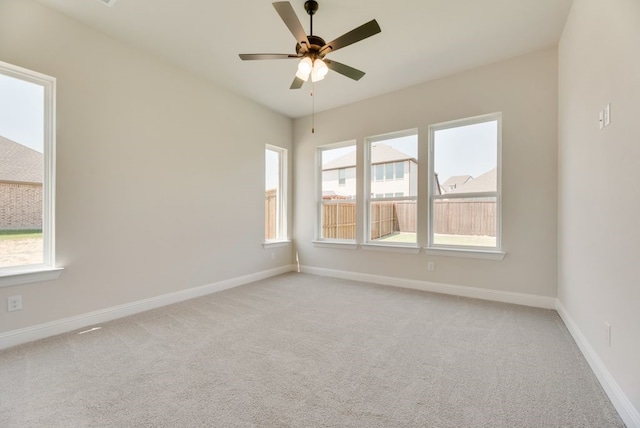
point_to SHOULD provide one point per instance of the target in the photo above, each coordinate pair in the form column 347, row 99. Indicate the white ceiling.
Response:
column 420, row 40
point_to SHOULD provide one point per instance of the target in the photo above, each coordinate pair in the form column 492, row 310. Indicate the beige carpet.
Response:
column 306, row 351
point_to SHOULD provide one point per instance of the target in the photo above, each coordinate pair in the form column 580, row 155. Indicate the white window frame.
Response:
column 369, row 197
column 432, row 196
column 10, row 276
column 282, row 233
column 319, row 240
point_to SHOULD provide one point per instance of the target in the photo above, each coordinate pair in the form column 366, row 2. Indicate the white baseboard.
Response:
column 456, row 290
column 41, row 331
column 629, row 414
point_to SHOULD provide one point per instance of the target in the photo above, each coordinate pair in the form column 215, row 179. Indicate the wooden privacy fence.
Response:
column 270, row 201
column 460, row 217
column 450, row 217
column 338, row 220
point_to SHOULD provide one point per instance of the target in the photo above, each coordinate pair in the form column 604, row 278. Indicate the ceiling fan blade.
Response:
column 288, row 15
column 343, row 69
column 297, row 83
column 362, row 32
column 266, row 56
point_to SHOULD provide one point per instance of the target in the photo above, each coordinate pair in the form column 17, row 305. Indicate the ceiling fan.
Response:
column 311, row 49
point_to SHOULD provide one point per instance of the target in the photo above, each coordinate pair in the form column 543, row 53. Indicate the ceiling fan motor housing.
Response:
column 316, row 43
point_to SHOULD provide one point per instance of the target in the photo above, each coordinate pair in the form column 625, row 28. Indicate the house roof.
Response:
column 454, row 182
column 380, row 153
column 20, row 164
column 486, row 182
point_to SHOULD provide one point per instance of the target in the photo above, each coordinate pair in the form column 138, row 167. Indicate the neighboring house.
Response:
column 393, row 174
column 21, row 178
column 452, row 183
column 486, row 182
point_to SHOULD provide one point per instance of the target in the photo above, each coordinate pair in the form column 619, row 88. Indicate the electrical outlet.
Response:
column 431, row 266
column 14, row 303
column 273, row 255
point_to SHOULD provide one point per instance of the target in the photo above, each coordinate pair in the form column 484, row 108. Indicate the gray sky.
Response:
column 22, row 112
column 464, row 150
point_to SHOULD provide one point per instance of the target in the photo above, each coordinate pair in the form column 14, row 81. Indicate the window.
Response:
column 342, row 177
column 392, row 210
column 388, row 171
column 337, row 193
column 275, row 204
column 399, row 170
column 464, row 190
column 379, row 172
column 27, row 162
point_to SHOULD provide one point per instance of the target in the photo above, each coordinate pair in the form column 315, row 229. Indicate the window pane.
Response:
column 272, row 194
column 379, row 172
column 338, row 205
column 21, row 172
column 399, row 170
column 465, row 163
column 396, row 164
column 393, row 221
column 388, row 171
column 465, row 222
column 466, row 158
column 397, row 158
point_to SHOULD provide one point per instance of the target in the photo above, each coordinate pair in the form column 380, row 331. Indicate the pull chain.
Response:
column 313, row 108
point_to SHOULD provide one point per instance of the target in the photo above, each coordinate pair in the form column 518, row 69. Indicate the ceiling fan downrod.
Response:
column 311, row 6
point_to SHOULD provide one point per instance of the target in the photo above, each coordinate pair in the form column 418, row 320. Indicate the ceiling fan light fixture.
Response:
column 305, row 66
column 302, row 76
column 320, row 70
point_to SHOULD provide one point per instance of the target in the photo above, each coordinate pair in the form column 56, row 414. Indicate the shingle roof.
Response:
column 452, row 183
column 20, row 164
column 486, row 182
column 380, row 153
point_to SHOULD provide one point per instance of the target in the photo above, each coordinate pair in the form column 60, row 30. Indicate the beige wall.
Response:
column 157, row 187
column 599, row 207
column 524, row 89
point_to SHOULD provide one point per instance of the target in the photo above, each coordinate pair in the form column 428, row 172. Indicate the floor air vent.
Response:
column 108, row 2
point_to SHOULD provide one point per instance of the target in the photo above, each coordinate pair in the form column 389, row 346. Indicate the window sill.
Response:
column 410, row 249
column 465, row 253
column 345, row 245
column 28, row 275
column 276, row 244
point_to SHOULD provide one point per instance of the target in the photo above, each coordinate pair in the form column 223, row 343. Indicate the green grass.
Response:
column 404, row 237
column 457, row 240
column 20, row 234
column 465, row 240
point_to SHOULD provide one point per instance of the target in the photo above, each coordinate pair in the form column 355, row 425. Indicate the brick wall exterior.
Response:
column 20, row 206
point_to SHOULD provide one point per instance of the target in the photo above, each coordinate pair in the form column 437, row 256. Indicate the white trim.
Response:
column 344, row 245
column 629, row 414
column 282, row 192
column 533, row 300
column 393, row 248
column 367, row 184
column 41, row 331
column 466, row 253
column 48, row 84
column 318, row 181
column 16, row 277
column 275, row 244
column 431, row 181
